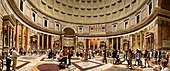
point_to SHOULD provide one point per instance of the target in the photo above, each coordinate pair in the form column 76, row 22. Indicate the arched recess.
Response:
column 70, row 28
column 69, row 31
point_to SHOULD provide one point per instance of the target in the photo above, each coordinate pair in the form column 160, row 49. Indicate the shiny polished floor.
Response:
column 41, row 63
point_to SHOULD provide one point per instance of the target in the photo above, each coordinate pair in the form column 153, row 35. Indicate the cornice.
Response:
column 10, row 18
column 50, row 16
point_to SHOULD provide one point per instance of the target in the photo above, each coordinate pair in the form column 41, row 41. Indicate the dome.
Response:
column 87, row 11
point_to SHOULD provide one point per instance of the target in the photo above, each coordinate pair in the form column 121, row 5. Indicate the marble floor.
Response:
column 41, row 63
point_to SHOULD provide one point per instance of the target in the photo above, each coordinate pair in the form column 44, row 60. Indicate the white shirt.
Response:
column 165, row 69
column 15, row 53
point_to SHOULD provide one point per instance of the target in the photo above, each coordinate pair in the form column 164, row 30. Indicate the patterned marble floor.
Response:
column 40, row 63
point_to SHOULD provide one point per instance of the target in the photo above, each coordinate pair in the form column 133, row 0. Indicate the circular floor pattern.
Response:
column 48, row 67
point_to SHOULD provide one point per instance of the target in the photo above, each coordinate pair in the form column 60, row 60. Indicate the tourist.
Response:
column 129, row 58
column 164, row 65
column 69, row 57
column 8, row 60
column 136, row 60
column 104, row 59
column 86, row 54
column 156, row 55
column 15, row 55
column 77, row 53
column 138, row 57
column 150, row 54
column 93, row 53
column 146, row 58
column 159, row 56
column 114, row 56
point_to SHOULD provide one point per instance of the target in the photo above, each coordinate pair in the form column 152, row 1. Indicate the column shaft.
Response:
column 22, row 36
column 89, row 43
column 17, row 36
column 141, row 40
column 27, row 39
column 12, row 37
column 108, row 43
column 42, row 41
column 52, row 42
column 136, row 42
column 76, row 42
column 47, row 41
column 38, row 41
column 144, row 41
column 112, row 43
column 117, row 43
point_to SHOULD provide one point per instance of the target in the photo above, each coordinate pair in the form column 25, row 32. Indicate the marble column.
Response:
column 42, row 41
column 27, row 39
column 52, row 42
column 121, row 43
column 108, row 43
column 117, row 43
column 8, row 35
column 17, row 36
column 94, row 40
column 141, row 40
column 89, row 44
column 98, row 43
column 12, row 37
column 76, row 42
column 38, row 41
column 136, row 41
column 144, row 41
column 47, row 41
column 85, row 44
column 112, row 43
column 22, row 36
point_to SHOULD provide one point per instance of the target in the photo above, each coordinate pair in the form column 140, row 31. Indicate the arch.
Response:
column 69, row 31
column 69, row 27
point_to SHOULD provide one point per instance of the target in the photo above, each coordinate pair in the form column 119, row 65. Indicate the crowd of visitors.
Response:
column 142, row 59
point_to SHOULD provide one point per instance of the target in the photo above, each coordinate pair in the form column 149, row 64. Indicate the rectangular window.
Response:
column 33, row 16
column 126, row 24
column 21, row 5
column 137, row 19
column 114, row 27
column 45, row 23
column 57, row 26
column 150, row 8
column 80, row 29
